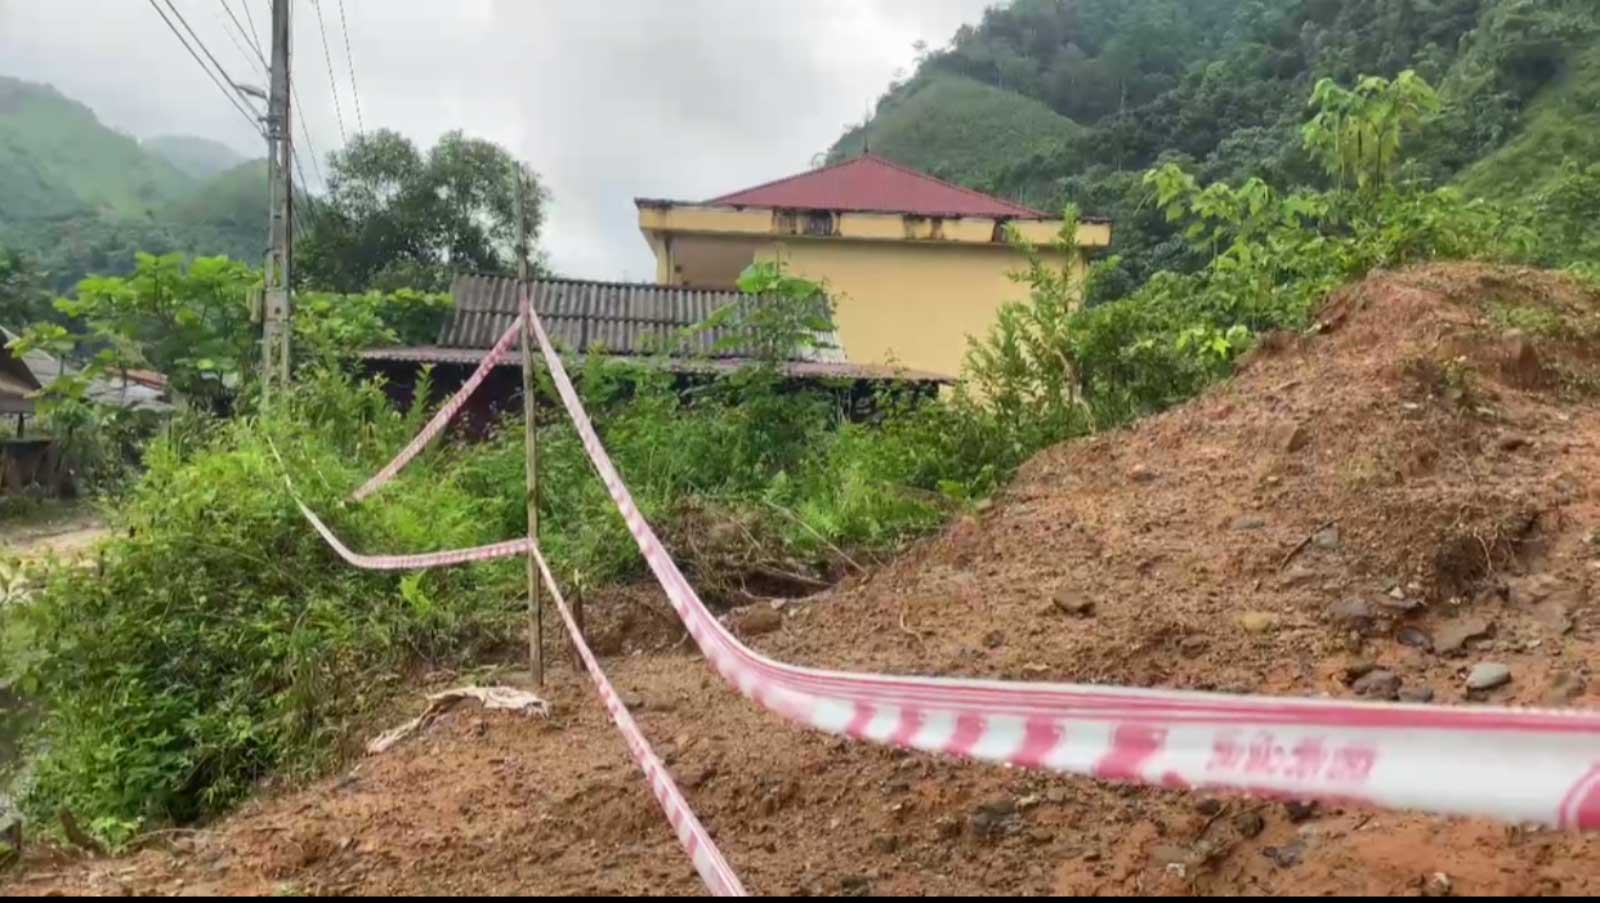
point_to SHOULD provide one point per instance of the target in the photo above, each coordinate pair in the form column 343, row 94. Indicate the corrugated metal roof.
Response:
column 45, row 369
column 616, row 317
column 870, row 183
column 434, row 354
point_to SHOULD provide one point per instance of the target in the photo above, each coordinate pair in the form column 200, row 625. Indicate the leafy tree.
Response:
column 23, row 299
column 398, row 218
column 192, row 321
column 1357, row 133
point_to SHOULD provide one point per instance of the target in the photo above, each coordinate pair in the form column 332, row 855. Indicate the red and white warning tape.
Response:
column 414, row 562
column 442, row 418
column 714, row 870
column 1519, row 765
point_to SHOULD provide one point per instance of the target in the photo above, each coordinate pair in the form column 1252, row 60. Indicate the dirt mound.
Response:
column 1408, row 492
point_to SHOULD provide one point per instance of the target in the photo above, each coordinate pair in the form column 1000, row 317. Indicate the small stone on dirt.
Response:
column 994, row 818
column 1437, row 885
column 1357, row 671
column 1193, row 646
column 1249, row 523
column 1166, row 854
column 1249, row 824
column 1300, row 811
column 1258, row 621
column 1416, row 694
column 1566, row 686
column 855, row 886
column 1208, row 807
column 1512, row 442
column 1488, row 675
column 1401, row 604
column 1298, row 438
column 1327, row 538
column 1285, row 856
column 1414, row 637
column 1452, row 636
column 1352, row 612
column 1378, row 685
column 1141, row 474
column 1299, row 575
column 759, row 619
column 1554, row 616
column 1069, row 602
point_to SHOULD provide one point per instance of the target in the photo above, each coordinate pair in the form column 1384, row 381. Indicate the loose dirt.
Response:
column 1413, row 489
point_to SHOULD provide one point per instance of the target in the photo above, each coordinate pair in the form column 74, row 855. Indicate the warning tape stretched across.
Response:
column 440, row 419
column 714, row 870
column 1519, row 765
column 414, row 562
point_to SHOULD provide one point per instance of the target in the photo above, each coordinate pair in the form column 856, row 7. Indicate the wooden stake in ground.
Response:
column 530, row 411
column 530, row 419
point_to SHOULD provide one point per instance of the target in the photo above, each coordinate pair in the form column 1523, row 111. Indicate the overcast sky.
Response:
column 608, row 99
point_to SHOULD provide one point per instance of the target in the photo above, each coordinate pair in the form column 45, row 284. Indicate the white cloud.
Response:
column 608, row 99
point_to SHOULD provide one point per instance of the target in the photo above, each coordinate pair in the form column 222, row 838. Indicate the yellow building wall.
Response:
column 911, row 304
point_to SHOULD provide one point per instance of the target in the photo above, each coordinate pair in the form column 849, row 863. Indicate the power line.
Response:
column 255, row 38
column 230, row 93
column 202, row 45
column 349, row 57
column 306, row 134
column 255, row 44
column 249, row 60
column 333, row 84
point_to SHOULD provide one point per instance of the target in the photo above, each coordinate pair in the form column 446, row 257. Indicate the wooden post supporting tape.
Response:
column 530, row 410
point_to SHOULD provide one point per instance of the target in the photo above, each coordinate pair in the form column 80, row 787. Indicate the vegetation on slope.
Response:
column 1219, row 86
column 959, row 129
column 198, row 158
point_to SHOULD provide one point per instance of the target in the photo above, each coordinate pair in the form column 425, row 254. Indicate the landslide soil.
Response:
column 1413, row 486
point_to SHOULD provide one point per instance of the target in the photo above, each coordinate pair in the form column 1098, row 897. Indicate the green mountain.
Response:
column 1221, row 86
column 959, row 129
column 77, row 197
column 57, row 160
column 198, row 158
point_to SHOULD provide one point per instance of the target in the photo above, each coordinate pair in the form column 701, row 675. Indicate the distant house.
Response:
column 35, row 462
column 656, row 325
column 21, row 376
column 916, row 265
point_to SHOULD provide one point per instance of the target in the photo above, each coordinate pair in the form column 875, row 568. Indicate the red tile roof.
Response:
column 871, row 184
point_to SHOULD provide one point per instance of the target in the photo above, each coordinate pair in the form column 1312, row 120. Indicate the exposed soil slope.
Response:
column 1416, row 489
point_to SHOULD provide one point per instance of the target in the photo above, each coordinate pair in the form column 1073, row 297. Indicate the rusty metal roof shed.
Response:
column 612, row 317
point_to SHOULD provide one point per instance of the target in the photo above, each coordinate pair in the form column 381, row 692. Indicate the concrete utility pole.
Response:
column 277, row 310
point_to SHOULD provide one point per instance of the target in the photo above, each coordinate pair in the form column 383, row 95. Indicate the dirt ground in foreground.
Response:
column 1414, row 490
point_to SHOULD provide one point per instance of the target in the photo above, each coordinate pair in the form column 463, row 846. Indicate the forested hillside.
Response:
column 1220, row 87
column 79, row 197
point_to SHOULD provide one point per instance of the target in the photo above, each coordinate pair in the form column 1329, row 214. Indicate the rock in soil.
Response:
column 1327, row 539
column 1566, row 686
column 1416, row 694
column 1452, row 636
column 1300, row 811
column 1488, row 675
column 1068, row 602
column 1353, row 612
column 1249, row 824
column 1378, row 685
column 1415, row 638
column 758, row 620
column 1258, row 621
